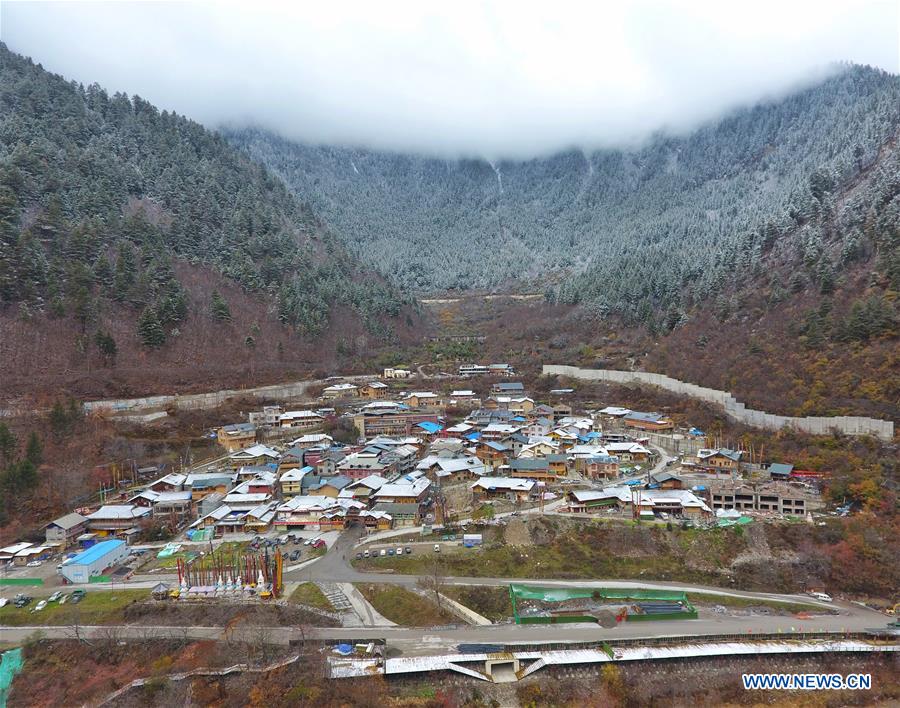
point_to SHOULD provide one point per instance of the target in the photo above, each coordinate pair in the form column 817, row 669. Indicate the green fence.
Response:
column 554, row 594
column 690, row 614
column 11, row 663
column 21, row 581
column 99, row 579
column 556, row 619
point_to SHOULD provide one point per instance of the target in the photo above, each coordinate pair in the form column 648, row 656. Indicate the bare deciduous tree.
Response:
column 434, row 580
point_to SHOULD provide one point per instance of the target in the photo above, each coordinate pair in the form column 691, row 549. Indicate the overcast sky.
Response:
column 497, row 79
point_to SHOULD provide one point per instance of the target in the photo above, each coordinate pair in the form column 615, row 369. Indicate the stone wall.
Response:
column 734, row 409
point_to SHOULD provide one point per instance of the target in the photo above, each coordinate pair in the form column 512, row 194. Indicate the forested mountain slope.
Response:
column 663, row 225
column 759, row 254
column 108, row 207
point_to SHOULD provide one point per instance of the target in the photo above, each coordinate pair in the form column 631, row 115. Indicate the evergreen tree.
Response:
column 218, row 307
column 106, row 346
column 59, row 421
column 34, row 449
column 23, row 476
column 150, row 329
column 9, row 222
column 126, row 268
column 8, row 443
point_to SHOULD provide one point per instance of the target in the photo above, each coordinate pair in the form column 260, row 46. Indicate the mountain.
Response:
column 759, row 254
column 125, row 231
column 616, row 229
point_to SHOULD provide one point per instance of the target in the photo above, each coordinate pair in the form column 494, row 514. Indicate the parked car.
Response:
column 55, row 597
column 383, row 552
column 40, row 606
column 390, row 551
column 33, row 564
column 22, row 600
column 399, row 550
column 308, row 541
column 295, row 554
column 3, row 602
column 63, row 598
column 366, row 554
column 78, row 596
column 359, row 555
column 437, row 547
column 821, row 596
column 408, row 550
column 318, row 543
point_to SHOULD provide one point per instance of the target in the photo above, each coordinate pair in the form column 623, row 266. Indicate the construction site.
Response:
column 533, row 604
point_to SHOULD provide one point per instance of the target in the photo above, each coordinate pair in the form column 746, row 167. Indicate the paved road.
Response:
column 335, row 566
column 419, row 641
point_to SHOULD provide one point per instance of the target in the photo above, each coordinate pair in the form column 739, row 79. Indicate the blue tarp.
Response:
column 344, row 649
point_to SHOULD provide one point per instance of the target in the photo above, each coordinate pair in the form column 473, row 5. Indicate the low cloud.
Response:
column 492, row 79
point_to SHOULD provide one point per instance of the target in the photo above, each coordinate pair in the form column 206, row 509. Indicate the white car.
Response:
column 3, row 602
column 40, row 606
column 33, row 564
column 63, row 598
column 821, row 596
column 399, row 550
column 383, row 552
column 437, row 547
column 55, row 597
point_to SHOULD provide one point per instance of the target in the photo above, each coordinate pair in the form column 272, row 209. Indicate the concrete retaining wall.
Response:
column 198, row 401
column 817, row 425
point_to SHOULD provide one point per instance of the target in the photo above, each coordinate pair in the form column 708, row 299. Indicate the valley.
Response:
column 292, row 416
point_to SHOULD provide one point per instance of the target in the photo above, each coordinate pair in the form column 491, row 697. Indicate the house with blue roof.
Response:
column 429, row 428
column 492, row 454
column 720, row 459
column 92, row 562
column 648, row 421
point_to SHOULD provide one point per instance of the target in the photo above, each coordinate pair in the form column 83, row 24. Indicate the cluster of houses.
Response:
column 315, row 483
column 507, row 446
column 502, row 445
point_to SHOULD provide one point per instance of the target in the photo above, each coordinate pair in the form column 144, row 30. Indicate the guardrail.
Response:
column 690, row 639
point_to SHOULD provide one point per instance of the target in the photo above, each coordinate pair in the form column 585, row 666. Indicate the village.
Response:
column 490, row 513
column 422, row 461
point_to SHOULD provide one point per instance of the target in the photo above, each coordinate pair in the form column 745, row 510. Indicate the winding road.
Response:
column 334, row 568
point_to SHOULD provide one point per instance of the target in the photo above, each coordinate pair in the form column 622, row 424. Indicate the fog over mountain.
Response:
column 498, row 80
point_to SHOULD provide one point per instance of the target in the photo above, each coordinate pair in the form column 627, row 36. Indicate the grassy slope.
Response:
column 593, row 551
column 404, row 606
column 310, row 594
column 97, row 607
